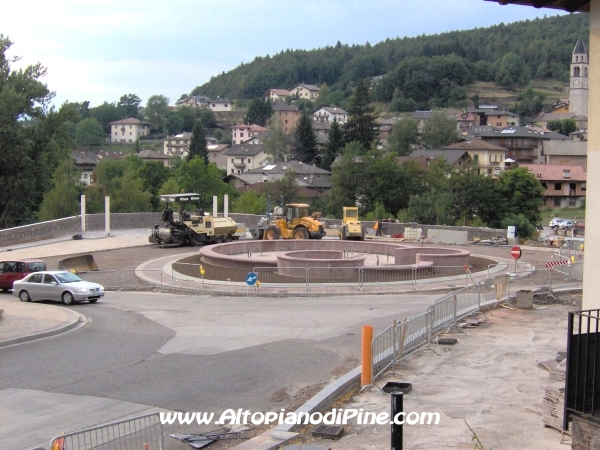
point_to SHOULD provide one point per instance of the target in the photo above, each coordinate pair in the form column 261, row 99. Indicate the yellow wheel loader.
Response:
column 291, row 222
column 351, row 227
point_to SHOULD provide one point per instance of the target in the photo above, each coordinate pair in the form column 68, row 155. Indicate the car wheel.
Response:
column 93, row 301
column 68, row 298
column 24, row 296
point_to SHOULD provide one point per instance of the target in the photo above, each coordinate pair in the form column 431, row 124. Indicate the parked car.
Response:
column 57, row 285
column 566, row 224
column 14, row 270
column 555, row 222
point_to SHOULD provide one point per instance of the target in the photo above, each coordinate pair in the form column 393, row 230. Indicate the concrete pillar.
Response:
column 107, row 214
column 591, row 277
column 83, row 213
column 226, row 205
column 215, row 206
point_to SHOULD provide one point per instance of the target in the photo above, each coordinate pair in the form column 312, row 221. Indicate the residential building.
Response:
column 525, row 145
column 241, row 133
column 85, row 161
column 455, row 158
column 286, row 115
column 128, row 130
column 243, row 157
column 216, row 154
column 276, row 94
column 385, row 129
column 421, row 117
column 151, row 155
column 543, row 119
column 177, row 145
column 329, row 114
column 565, row 186
column 194, row 101
column 311, row 180
column 566, row 153
column 309, row 91
column 489, row 158
column 220, row 104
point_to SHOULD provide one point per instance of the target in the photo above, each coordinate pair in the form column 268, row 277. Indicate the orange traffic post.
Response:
column 367, row 356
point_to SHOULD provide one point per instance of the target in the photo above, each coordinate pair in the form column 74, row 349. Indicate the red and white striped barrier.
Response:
column 558, row 263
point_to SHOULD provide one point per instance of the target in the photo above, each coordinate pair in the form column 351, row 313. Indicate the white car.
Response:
column 555, row 222
column 57, row 285
column 566, row 224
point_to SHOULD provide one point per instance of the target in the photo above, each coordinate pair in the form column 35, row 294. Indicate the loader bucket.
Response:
column 77, row 264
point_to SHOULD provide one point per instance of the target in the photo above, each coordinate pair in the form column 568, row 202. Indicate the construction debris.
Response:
column 492, row 240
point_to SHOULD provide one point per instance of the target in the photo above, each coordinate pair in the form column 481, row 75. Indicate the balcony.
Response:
column 239, row 165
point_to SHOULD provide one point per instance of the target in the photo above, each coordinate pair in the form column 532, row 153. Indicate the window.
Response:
column 583, row 187
column 557, row 186
column 476, row 159
column 225, row 105
column 248, row 160
column 85, row 176
column 545, row 185
column 48, row 279
column 36, row 278
column 557, row 202
column 130, row 127
column 130, row 140
column 231, row 170
column 242, row 134
column 286, row 121
column 572, row 202
column 232, row 160
column 130, row 133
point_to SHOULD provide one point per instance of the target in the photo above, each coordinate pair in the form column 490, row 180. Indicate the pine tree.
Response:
column 362, row 120
column 198, row 144
column 333, row 147
column 306, row 147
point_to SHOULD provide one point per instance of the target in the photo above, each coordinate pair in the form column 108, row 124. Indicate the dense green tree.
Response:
column 89, row 132
column 198, row 144
column 33, row 138
column 153, row 175
column 250, row 203
column 323, row 96
column 130, row 104
column 306, row 147
column 157, row 111
column 432, row 207
column 208, row 119
column 174, row 124
column 259, row 111
column 404, row 137
column 529, row 103
column 196, row 176
column 305, row 105
column 106, row 113
column 512, row 71
column 333, row 146
column 566, row 126
column 362, row 120
column 522, row 193
column 63, row 199
column 189, row 116
column 129, row 196
column 439, row 131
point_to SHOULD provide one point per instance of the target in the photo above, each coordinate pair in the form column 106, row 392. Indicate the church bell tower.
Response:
column 578, row 88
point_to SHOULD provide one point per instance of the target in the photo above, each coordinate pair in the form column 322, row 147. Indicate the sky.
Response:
column 98, row 50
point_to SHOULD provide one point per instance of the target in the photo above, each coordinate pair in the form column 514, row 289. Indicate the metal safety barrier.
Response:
column 142, row 432
column 109, row 279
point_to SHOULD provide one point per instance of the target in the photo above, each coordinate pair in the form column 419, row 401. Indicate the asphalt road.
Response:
column 144, row 351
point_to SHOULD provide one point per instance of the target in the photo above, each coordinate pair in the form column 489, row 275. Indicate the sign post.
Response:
column 515, row 252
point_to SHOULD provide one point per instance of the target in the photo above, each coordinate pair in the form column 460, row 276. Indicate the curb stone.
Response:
column 43, row 334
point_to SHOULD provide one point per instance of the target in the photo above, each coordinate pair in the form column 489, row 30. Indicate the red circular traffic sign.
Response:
column 515, row 252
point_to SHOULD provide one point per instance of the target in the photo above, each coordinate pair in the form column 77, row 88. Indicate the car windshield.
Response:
column 67, row 277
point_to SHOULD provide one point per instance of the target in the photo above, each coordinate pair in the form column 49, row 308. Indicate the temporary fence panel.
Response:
column 443, row 313
column 141, row 278
column 454, row 276
column 416, row 334
column 383, row 350
column 290, row 277
column 109, row 279
column 142, row 432
column 568, row 276
column 382, row 276
column 467, row 301
column 186, row 272
column 332, row 277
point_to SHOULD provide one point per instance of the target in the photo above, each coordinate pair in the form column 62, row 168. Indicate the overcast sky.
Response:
column 98, row 50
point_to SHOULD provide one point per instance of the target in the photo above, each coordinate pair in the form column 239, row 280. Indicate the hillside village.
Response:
column 491, row 139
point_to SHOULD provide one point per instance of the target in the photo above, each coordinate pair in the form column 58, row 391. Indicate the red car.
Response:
column 11, row 271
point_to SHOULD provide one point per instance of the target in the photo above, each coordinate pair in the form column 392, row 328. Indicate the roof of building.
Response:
column 451, row 156
column 390, row 121
column 217, row 148
column 128, row 121
column 244, row 149
column 281, row 167
column 254, row 128
column 310, row 87
column 332, row 110
column 519, row 132
column 280, row 92
column 475, row 144
column 553, row 172
column 303, row 180
column 220, row 100
column 282, row 106
column 547, row 117
column 566, row 148
column 422, row 115
column 321, row 125
column 151, row 154
column 579, row 47
column 185, row 135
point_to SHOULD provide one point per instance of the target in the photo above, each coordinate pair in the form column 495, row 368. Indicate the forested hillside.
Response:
column 423, row 71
